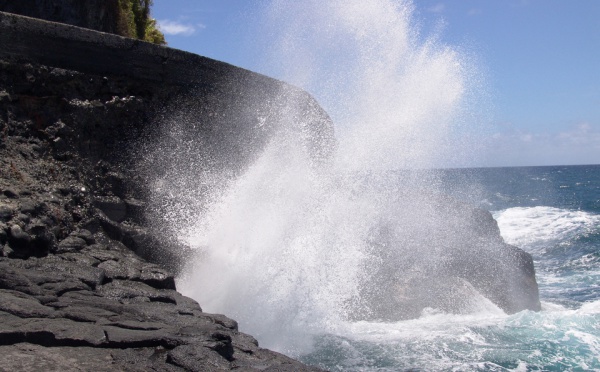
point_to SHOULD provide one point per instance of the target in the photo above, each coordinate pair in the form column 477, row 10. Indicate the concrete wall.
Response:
column 97, row 15
column 234, row 109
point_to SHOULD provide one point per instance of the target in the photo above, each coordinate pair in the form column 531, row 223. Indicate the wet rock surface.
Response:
column 86, row 282
column 100, row 307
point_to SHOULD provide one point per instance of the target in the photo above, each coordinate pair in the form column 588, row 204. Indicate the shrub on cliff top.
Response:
column 133, row 20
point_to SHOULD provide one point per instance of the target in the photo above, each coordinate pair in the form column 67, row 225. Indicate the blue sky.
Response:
column 540, row 60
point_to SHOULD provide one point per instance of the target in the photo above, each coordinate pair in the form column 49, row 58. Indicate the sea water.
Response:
column 282, row 269
column 284, row 247
column 552, row 213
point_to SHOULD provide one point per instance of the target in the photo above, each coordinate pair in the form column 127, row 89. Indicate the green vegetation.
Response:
column 133, row 20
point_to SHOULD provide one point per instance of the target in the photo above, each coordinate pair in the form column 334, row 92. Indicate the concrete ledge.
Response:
column 71, row 47
column 251, row 106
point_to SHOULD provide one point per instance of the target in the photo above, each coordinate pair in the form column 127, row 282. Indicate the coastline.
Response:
column 86, row 281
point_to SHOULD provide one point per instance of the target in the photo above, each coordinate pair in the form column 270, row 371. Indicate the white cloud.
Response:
column 583, row 134
column 437, row 8
column 579, row 144
column 169, row 27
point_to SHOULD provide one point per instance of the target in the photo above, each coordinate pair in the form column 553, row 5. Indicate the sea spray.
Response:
column 397, row 97
column 285, row 244
column 290, row 246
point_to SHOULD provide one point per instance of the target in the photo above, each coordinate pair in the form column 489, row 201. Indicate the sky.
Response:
column 539, row 59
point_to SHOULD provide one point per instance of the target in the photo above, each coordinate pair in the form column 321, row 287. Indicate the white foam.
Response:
column 590, row 308
column 529, row 226
column 521, row 367
column 482, row 341
column 430, row 326
column 550, row 307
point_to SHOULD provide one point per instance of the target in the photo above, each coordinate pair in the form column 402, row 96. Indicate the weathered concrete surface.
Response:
column 67, row 46
column 100, row 15
column 252, row 104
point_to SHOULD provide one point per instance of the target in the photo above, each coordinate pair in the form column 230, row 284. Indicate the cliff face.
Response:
column 93, row 102
column 97, row 15
column 76, row 287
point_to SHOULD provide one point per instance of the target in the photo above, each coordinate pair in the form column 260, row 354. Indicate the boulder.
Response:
column 113, row 207
column 458, row 261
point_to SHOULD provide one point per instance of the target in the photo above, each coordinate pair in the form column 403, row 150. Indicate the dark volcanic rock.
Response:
column 6, row 212
column 71, row 244
column 19, row 240
column 22, row 305
column 28, row 357
column 77, row 291
column 113, row 207
column 46, row 309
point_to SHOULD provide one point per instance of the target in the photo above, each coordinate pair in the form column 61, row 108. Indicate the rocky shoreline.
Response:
column 90, row 121
column 86, row 283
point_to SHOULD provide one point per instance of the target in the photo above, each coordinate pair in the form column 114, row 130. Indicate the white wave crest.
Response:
column 529, row 226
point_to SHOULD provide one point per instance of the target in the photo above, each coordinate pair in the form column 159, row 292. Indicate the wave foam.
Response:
column 553, row 339
column 530, row 226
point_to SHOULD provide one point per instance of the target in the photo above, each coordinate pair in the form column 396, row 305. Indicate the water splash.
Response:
column 397, row 98
column 287, row 247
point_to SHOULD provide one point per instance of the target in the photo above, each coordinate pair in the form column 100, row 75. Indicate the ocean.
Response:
column 551, row 212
